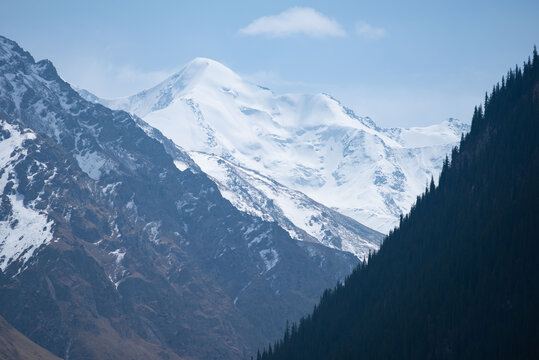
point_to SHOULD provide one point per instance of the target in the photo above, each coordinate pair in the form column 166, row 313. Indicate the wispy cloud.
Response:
column 295, row 21
column 276, row 82
column 109, row 80
column 367, row 31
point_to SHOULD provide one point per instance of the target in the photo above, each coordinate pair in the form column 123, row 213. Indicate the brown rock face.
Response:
column 16, row 346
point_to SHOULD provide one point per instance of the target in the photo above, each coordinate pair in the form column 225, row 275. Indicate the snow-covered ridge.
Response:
column 200, row 72
column 308, row 143
column 23, row 229
column 303, row 218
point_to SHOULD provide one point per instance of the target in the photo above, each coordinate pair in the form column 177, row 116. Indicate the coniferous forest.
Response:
column 459, row 278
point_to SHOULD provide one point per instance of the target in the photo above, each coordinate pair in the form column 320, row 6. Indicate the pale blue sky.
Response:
column 403, row 63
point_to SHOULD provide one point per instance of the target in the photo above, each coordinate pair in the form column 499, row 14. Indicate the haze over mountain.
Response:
column 307, row 143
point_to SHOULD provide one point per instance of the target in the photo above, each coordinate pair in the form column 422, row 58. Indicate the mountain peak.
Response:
column 13, row 58
column 11, row 52
column 204, row 62
column 202, row 70
column 199, row 74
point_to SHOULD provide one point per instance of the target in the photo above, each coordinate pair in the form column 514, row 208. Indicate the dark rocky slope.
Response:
column 135, row 259
column 459, row 278
column 16, row 346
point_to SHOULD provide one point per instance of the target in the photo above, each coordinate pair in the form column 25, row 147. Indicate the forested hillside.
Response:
column 459, row 278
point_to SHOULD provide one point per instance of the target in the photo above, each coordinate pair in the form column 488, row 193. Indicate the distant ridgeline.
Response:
column 459, row 278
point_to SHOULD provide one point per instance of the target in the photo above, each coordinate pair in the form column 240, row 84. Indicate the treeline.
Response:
column 459, row 277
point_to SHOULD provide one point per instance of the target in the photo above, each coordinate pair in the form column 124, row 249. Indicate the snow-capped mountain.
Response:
column 105, row 240
column 307, row 143
column 258, row 195
column 303, row 218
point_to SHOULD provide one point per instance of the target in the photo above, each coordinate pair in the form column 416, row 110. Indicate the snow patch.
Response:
column 270, row 257
column 91, row 163
column 152, row 229
column 181, row 165
column 119, row 254
column 24, row 230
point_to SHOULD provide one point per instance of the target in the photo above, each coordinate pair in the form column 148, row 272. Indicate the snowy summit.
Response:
column 311, row 144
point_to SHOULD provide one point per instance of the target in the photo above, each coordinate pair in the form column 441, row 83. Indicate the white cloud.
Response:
column 295, row 21
column 369, row 32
